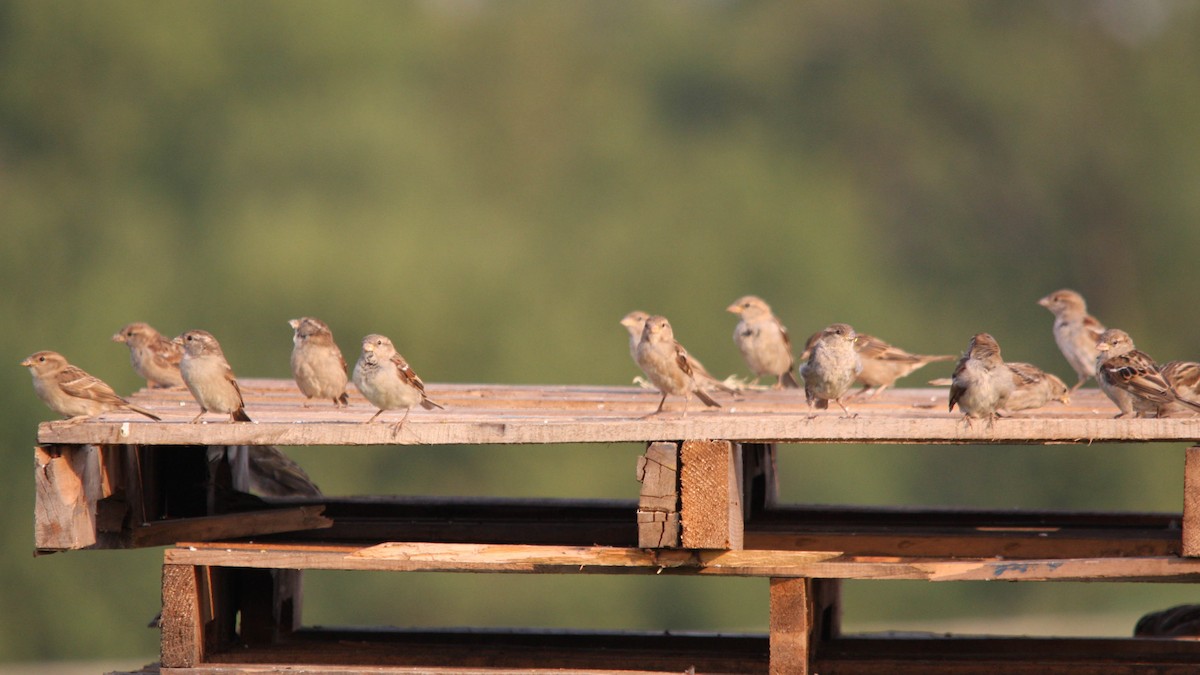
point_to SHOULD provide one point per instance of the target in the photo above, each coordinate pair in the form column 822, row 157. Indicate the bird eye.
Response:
column 41, row 359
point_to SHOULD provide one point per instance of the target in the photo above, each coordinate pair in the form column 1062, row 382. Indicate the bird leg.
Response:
column 660, row 407
column 377, row 414
column 844, row 408
column 196, row 419
column 400, row 424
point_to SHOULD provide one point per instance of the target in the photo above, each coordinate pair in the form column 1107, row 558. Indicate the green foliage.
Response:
column 494, row 184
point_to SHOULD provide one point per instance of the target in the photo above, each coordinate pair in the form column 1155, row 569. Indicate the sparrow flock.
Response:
column 982, row 386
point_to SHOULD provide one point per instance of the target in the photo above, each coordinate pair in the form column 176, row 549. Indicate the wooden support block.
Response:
column 1191, row 502
column 804, row 613
column 658, row 505
column 78, row 502
column 182, row 640
column 710, row 495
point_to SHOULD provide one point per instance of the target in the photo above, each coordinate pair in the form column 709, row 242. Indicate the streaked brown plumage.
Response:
column 1123, row 369
column 1034, row 388
column 71, row 392
column 1075, row 332
column 668, row 365
column 763, row 341
column 317, row 363
column 386, row 380
column 209, row 377
column 153, row 357
column 981, row 383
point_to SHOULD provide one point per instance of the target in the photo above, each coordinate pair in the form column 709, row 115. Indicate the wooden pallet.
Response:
column 707, row 508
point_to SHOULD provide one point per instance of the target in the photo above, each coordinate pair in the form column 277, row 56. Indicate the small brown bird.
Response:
column 763, row 341
column 668, row 365
column 833, row 366
column 317, row 363
column 1034, row 388
column 981, row 384
column 1184, row 378
column 71, row 392
column 883, row 364
column 386, row 380
column 1122, row 368
column 1075, row 332
column 153, row 357
column 264, row 470
column 635, row 323
column 209, row 377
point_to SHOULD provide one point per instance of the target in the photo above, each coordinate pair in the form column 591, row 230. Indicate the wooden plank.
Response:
column 658, row 503
column 503, row 414
column 1191, row 502
column 411, row 557
column 231, row 525
column 793, row 642
column 498, row 651
column 182, row 636
column 710, row 495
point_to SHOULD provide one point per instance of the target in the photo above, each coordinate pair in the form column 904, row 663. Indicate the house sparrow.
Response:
column 383, row 376
column 208, row 376
column 832, row 367
column 1132, row 379
column 883, row 364
column 153, row 357
column 668, row 365
column 1033, row 388
column 1075, row 331
column 1184, row 378
column 981, row 384
column 763, row 341
column 635, row 323
column 317, row 363
column 71, row 392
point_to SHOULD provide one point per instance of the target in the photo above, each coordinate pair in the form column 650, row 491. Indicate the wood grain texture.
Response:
column 710, row 494
column 658, row 502
column 1191, row 502
column 502, row 414
column 411, row 557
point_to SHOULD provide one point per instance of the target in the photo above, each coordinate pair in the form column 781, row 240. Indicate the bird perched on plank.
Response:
column 386, row 380
column 883, row 364
column 981, row 383
column 832, row 367
column 209, row 377
column 763, row 341
column 153, row 357
column 1075, row 332
column 635, row 323
column 71, row 392
column 317, row 363
column 1033, row 388
column 1184, row 378
column 1132, row 379
column 669, row 366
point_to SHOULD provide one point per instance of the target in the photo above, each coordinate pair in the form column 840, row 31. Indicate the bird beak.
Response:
column 1103, row 347
column 369, row 347
column 736, row 309
column 118, row 337
column 178, row 341
column 294, row 323
column 1044, row 302
column 27, row 363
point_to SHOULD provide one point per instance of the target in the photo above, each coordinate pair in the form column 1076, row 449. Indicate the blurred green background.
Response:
column 494, row 184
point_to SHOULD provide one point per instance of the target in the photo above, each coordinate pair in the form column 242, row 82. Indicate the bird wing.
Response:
column 166, row 353
column 1136, row 372
column 1093, row 327
column 1025, row 374
column 407, row 374
column 75, row 382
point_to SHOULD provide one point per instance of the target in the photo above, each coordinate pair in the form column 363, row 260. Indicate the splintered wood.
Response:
column 70, row 482
column 658, row 505
column 477, row 414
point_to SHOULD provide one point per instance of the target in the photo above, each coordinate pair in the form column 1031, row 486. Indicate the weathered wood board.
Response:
column 501, row 414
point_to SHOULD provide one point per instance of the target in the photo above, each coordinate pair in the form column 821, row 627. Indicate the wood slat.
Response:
column 410, row 557
column 502, row 414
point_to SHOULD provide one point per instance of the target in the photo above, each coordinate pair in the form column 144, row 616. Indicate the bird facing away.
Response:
column 317, row 363
column 1123, row 369
column 668, row 365
column 386, row 380
column 1184, row 378
column 981, row 383
column 71, row 392
column 209, row 377
column 832, row 367
column 1075, row 332
column 1034, row 388
column 153, row 357
column 763, row 341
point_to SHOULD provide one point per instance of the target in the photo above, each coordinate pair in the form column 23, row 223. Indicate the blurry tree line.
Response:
column 494, row 184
